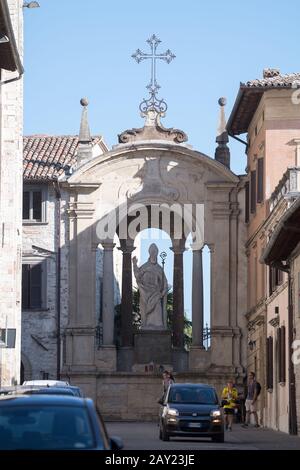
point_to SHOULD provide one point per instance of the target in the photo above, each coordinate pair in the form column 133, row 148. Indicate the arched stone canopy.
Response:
column 150, row 174
column 156, row 173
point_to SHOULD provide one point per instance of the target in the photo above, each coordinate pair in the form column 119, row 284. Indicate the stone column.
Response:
column 126, row 305
column 80, row 332
column 108, row 311
column 197, row 298
column 178, row 294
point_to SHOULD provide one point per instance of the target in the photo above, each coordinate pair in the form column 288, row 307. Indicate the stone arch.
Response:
column 154, row 173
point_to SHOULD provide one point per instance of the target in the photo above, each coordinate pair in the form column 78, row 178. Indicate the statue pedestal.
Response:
column 153, row 346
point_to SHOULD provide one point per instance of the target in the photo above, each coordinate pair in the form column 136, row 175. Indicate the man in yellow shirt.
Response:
column 229, row 398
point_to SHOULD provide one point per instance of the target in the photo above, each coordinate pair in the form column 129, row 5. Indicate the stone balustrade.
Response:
column 288, row 187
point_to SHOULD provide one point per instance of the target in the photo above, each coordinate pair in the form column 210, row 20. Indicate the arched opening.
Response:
column 165, row 259
column 163, row 242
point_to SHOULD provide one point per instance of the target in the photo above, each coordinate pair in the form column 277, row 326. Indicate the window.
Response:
column 33, row 204
column 253, row 191
column 8, row 337
column 33, row 285
column 275, row 279
column 260, row 180
column 270, row 363
column 247, row 206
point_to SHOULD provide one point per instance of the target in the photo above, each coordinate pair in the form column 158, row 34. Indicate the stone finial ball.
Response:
column 222, row 101
column 84, row 102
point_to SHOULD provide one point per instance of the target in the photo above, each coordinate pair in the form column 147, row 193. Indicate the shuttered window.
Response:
column 247, row 205
column 32, row 285
column 260, row 180
column 282, row 355
column 269, row 363
column 275, row 279
column 253, row 191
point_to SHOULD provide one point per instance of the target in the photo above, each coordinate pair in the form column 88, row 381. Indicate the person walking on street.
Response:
column 251, row 400
column 229, row 398
column 168, row 379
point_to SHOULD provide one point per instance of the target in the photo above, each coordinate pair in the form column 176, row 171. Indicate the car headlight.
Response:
column 172, row 412
column 215, row 413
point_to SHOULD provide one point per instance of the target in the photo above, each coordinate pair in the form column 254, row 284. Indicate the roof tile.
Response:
column 45, row 157
column 278, row 80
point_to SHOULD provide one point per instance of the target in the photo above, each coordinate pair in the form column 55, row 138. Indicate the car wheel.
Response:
column 164, row 435
column 218, row 438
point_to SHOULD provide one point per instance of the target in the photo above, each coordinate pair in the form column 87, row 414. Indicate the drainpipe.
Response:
column 239, row 140
column 292, row 381
column 58, row 277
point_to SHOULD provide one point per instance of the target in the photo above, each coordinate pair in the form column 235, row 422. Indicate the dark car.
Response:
column 191, row 410
column 52, row 422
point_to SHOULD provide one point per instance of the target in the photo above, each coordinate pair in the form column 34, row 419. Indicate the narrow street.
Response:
column 144, row 436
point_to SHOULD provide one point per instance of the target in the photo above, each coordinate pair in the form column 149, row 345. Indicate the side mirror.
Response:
column 116, row 443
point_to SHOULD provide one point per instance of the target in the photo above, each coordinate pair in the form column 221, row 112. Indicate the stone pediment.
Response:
column 152, row 130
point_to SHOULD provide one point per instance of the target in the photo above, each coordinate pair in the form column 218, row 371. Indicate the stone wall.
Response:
column 11, row 162
column 133, row 397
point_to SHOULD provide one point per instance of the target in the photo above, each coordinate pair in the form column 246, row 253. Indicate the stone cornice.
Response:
column 259, row 308
column 220, row 185
column 267, row 223
column 274, row 321
column 81, row 210
column 225, row 331
column 126, row 151
column 277, row 291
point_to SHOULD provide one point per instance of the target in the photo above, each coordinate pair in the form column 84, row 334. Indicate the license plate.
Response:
column 195, row 425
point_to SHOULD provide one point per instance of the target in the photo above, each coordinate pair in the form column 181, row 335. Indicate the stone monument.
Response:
column 153, row 342
column 153, row 287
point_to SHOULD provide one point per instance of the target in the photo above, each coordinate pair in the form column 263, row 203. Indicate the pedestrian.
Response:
column 251, row 400
column 229, row 398
column 168, row 379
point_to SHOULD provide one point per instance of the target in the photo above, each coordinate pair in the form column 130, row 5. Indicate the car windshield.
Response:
column 193, row 395
column 45, row 427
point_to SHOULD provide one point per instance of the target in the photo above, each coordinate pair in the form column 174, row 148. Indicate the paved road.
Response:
column 144, row 436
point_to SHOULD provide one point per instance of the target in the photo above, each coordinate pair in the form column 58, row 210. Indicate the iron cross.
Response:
column 168, row 56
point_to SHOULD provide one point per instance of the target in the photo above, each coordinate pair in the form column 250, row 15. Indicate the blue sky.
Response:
column 76, row 48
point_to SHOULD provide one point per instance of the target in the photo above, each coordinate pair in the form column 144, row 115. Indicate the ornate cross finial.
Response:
column 153, row 103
